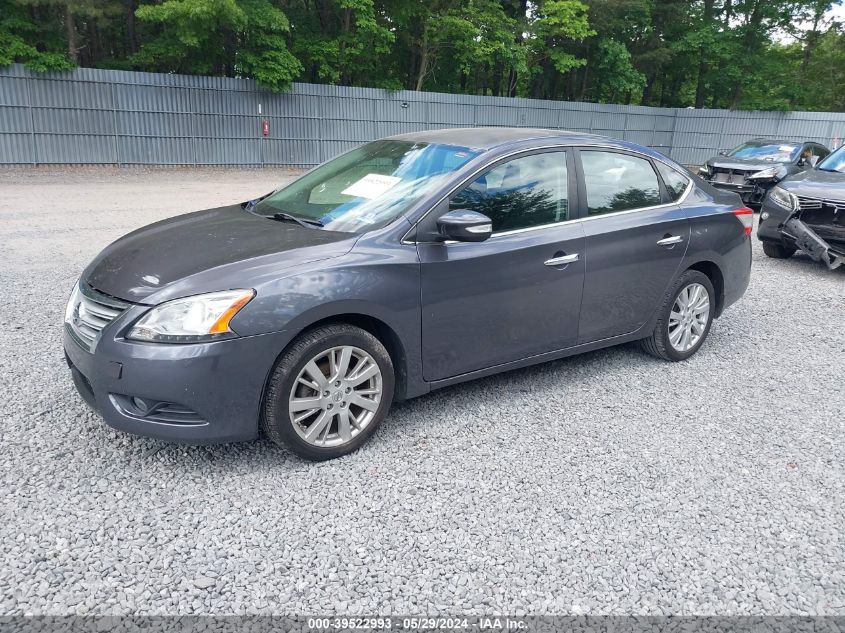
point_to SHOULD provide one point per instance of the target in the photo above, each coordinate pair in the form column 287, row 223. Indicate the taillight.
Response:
column 746, row 216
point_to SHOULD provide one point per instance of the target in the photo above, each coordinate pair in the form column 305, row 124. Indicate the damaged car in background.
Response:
column 754, row 167
column 807, row 212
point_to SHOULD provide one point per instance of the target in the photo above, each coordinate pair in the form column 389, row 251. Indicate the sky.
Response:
column 836, row 13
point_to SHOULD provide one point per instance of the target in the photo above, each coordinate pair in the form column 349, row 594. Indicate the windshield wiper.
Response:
column 308, row 223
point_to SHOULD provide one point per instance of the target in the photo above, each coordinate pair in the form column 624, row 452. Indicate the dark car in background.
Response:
column 403, row 266
column 807, row 212
column 754, row 167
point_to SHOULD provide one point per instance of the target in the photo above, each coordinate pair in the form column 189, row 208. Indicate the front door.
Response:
column 517, row 294
column 635, row 241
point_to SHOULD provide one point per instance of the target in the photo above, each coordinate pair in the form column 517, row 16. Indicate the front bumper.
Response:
column 809, row 241
column 752, row 192
column 198, row 394
column 786, row 227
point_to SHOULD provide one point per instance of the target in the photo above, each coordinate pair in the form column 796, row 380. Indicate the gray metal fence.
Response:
column 91, row 116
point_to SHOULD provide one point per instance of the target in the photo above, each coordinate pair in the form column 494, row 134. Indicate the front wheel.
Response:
column 778, row 251
column 328, row 392
column 684, row 318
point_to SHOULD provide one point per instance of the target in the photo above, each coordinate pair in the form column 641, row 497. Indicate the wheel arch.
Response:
column 377, row 327
column 717, row 278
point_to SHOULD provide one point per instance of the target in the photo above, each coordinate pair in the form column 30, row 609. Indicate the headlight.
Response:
column 704, row 170
column 783, row 198
column 192, row 319
column 771, row 172
column 71, row 303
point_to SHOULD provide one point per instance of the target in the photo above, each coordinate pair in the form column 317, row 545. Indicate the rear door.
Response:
column 517, row 294
column 636, row 236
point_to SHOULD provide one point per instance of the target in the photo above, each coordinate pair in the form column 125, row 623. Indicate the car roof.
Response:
column 490, row 137
column 778, row 141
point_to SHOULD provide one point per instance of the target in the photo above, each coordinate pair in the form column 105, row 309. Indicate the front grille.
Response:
column 826, row 217
column 729, row 176
column 817, row 204
column 92, row 312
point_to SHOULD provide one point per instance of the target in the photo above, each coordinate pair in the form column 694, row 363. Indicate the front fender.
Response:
column 384, row 286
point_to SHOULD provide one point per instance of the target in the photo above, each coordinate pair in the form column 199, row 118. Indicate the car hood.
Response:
column 206, row 251
column 816, row 183
column 745, row 164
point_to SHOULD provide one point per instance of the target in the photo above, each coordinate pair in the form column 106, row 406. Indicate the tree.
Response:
column 781, row 54
column 220, row 37
column 553, row 27
column 27, row 38
column 341, row 41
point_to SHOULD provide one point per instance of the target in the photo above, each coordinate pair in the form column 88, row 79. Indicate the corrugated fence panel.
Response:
column 152, row 150
column 15, row 120
column 13, row 91
column 16, row 148
column 121, row 117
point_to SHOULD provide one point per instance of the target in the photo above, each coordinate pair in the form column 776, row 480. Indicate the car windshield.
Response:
column 367, row 187
column 834, row 161
column 763, row 150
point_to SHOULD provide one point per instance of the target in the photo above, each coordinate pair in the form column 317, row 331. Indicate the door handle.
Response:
column 670, row 241
column 562, row 260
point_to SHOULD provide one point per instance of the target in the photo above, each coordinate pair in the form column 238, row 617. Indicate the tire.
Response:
column 778, row 251
column 659, row 344
column 325, row 345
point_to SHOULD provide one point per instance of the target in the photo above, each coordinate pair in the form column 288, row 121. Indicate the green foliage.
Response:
column 229, row 37
column 619, row 77
column 558, row 23
column 343, row 41
column 762, row 54
column 20, row 41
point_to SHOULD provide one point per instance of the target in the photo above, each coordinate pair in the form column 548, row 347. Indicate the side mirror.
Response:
column 723, row 153
column 463, row 225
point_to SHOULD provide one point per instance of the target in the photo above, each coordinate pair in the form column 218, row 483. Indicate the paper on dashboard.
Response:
column 371, row 186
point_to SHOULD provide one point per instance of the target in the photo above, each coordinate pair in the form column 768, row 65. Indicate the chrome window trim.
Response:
column 478, row 171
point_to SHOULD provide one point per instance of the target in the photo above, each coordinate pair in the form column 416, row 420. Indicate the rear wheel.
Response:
column 684, row 318
column 778, row 251
column 329, row 392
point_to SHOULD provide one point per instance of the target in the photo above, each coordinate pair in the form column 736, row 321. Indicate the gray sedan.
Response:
column 405, row 265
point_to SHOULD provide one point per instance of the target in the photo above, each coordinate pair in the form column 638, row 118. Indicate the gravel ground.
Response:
column 609, row 483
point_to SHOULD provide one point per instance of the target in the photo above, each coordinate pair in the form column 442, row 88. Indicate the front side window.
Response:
column 820, row 151
column 674, row 181
column 521, row 193
column 367, row 187
column 618, row 182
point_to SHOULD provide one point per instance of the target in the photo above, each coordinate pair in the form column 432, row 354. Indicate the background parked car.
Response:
column 807, row 212
column 754, row 167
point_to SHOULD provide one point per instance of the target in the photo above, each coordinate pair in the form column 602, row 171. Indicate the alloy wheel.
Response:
column 689, row 317
column 335, row 396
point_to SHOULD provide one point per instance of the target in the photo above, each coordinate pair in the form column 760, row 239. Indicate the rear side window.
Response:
column 521, row 193
column 675, row 182
column 618, row 182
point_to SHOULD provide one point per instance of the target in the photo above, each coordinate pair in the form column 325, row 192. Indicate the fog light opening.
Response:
column 140, row 405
